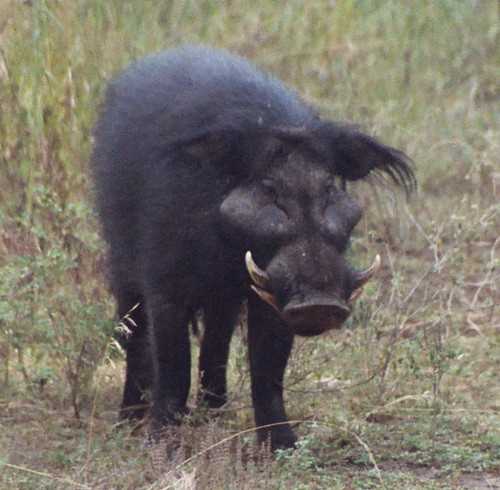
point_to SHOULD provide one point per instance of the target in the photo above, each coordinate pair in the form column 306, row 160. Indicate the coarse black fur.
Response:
column 185, row 145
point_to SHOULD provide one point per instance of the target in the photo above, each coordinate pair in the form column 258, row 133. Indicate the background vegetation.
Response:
column 407, row 395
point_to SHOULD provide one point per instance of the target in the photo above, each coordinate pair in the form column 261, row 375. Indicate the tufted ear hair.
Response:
column 355, row 155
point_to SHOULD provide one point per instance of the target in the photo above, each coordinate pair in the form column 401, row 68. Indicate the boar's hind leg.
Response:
column 133, row 337
column 220, row 316
column 270, row 348
column 172, row 361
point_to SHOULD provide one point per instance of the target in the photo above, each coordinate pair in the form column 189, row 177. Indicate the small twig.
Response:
column 489, row 273
column 44, row 475
column 393, row 273
column 418, row 284
column 370, row 455
column 395, row 402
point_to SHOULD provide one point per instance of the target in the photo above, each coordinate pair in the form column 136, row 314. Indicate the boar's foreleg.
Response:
column 220, row 314
column 171, row 359
column 134, row 340
column 269, row 346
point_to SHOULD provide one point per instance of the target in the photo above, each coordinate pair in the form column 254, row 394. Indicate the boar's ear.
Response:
column 208, row 146
column 356, row 155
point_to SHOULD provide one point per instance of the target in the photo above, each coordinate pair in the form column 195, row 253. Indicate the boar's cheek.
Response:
column 339, row 219
column 248, row 211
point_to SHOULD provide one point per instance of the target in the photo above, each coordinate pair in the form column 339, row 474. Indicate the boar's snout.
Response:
column 316, row 312
column 315, row 315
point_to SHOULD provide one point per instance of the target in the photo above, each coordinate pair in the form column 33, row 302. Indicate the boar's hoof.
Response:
column 283, row 438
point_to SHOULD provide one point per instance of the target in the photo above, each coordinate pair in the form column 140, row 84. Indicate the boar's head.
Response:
column 295, row 220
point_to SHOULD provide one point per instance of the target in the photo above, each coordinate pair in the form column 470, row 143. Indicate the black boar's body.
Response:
column 199, row 158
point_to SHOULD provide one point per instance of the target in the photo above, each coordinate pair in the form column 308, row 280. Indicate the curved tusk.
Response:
column 362, row 277
column 266, row 297
column 355, row 295
column 258, row 276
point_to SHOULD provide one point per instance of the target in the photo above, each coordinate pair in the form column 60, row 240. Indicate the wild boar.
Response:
column 215, row 185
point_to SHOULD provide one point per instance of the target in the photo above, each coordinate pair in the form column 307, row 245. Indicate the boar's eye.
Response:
column 280, row 152
column 272, row 191
column 277, row 150
column 331, row 192
column 330, row 187
column 335, row 228
column 270, row 188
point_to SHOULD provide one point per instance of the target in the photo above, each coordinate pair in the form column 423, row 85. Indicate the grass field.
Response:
column 407, row 395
